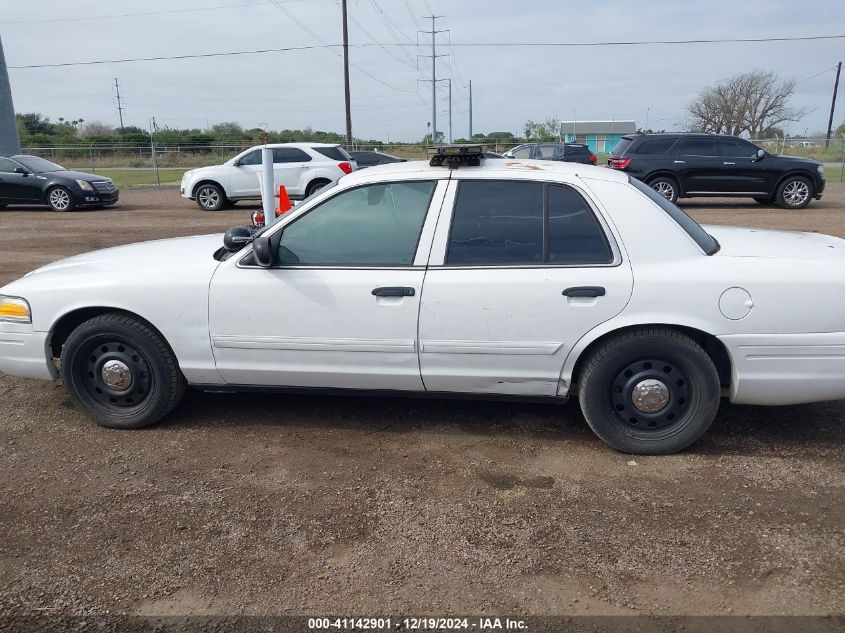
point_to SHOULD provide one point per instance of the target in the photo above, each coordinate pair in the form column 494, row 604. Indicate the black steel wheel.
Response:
column 121, row 372
column 649, row 391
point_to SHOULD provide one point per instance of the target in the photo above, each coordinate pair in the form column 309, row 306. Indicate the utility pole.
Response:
column 153, row 128
column 433, row 32
column 832, row 106
column 346, row 77
column 470, row 109
column 10, row 142
column 450, row 111
column 119, row 105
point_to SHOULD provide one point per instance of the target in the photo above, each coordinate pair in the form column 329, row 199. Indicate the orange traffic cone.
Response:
column 284, row 201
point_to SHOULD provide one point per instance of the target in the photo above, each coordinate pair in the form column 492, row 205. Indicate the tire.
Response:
column 154, row 384
column 2, row 205
column 210, row 197
column 666, row 187
column 315, row 186
column 613, row 372
column 60, row 199
column 764, row 200
column 794, row 193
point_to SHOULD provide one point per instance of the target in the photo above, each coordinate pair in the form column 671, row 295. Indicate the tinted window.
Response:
column 252, row 158
column 548, row 152
column 575, row 235
column 735, row 147
column 655, row 146
column 335, row 153
column 7, row 166
column 697, row 146
column 366, row 159
column 622, row 146
column 371, row 225
column 39, row 165
column 522, row 152
column 290, row 155
column 497, row 222
column 707, row 243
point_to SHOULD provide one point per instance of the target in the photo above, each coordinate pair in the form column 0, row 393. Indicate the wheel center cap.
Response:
column 117, row 375
column 650, row 396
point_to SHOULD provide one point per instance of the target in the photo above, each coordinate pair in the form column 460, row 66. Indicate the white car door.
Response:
column 291, row 166
column 341, row 309
column 244, row 176
column 520, row 270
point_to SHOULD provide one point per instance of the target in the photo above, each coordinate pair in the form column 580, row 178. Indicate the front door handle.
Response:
column 679, row 162
column 727, row 163
column 394, row 291
column 584, row 291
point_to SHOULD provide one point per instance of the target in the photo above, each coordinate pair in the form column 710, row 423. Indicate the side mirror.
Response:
column 761, row 154
column 22, row 171
column 236, row 238
column 508, row 154
column 262, row 251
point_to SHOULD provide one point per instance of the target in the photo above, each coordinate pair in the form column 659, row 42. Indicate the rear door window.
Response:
column 697, row 146
column 290, row 155
column 575, row 235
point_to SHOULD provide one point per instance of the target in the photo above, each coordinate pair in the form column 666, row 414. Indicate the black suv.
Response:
column 688, row 165
column 569, row 152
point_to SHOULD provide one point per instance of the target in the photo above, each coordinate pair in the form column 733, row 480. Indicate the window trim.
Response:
column 610, row 238
column 278, row 233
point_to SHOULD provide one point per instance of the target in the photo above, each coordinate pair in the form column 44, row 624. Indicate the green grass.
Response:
column 140, row 177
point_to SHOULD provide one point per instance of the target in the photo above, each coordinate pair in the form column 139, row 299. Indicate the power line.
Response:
column 392, row 32
column 461, row 44
column 142, row 13
column 826, row 70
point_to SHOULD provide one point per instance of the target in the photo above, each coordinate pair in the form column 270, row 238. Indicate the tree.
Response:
column 35, row 123
column 750, row 102
column 840, row 131
column 93, row 129
column 543, row 131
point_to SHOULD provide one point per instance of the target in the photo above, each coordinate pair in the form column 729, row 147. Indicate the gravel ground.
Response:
column 262, row 504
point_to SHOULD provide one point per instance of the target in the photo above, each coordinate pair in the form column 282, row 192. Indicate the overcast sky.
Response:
column 510, row 84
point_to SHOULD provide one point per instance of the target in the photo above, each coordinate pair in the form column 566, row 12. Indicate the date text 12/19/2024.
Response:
column 417, row 624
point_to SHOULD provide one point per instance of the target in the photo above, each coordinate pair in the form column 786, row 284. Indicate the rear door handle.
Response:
column 679, row 162
column 394, row 291
column 584, row 291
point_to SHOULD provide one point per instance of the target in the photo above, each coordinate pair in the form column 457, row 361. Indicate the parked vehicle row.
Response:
column 465, row 276
column 568, row 152
column 32, row 180
column 691, row 165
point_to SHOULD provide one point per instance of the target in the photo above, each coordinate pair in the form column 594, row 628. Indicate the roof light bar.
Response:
column 453, row 156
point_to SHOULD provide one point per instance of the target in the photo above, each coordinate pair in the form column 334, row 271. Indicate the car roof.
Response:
column 514, row 169
column 298, row 145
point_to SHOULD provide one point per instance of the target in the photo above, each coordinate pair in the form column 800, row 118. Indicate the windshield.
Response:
column 706, row 241
column 38, row 165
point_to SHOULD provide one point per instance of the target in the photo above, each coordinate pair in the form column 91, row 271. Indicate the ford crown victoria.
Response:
column 464, row 277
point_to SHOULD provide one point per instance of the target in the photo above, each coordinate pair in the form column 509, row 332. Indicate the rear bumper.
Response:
column 776, row 369
column 23, row 352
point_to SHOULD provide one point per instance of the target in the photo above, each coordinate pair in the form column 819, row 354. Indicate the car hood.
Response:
column 76, row 175
column 800, row 159
column 149, row 258
column 749, row 242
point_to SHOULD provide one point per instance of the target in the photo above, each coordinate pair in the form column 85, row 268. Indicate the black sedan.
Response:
column 371, row 159
column 33, row 180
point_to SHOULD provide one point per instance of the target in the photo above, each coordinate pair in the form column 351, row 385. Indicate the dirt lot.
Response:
column 320, row 505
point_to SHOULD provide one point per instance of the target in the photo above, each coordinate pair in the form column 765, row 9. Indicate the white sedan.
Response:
column 515, row 279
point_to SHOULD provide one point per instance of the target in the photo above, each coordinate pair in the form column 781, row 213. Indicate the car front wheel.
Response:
column 121, row 372
column 794, row 193
column 61, row 199
column 210, row 197
column 649, row 391
column 666, row 187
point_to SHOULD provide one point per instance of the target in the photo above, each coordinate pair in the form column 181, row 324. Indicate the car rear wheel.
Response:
column 650, row 391
column 666, row 187
column 121, row 372
column 210, row 197
column 794, row 193
column 315, row 186
column 61, row 199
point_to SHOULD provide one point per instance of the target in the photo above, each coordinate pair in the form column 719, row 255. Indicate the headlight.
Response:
column 820, row 169
column 84, row 185
column 14, row 310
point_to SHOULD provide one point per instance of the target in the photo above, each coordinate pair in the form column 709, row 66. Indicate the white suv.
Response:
column 302, row 168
